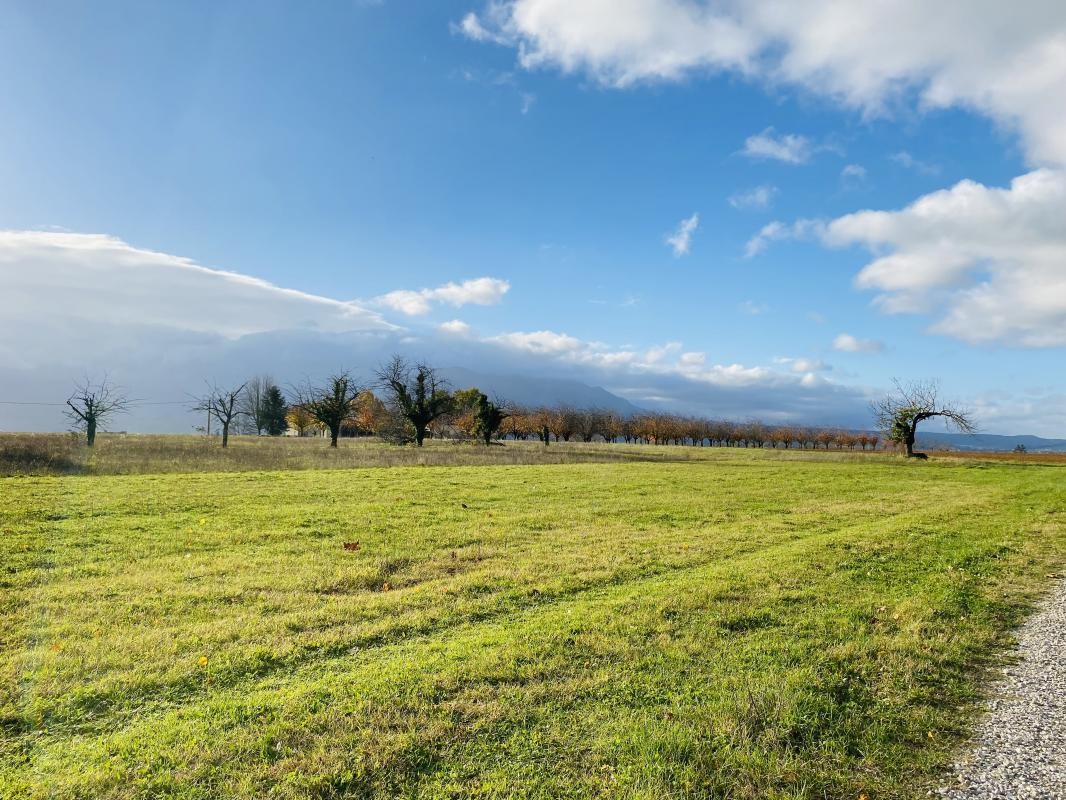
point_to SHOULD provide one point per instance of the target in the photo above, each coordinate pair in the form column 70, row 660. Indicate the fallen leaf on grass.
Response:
column 351, row 545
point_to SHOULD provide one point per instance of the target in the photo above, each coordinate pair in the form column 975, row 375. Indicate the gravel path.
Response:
column 1020, row 747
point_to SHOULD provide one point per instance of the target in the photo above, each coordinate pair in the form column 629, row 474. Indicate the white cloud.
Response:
column 471, row 27
column 770, row 232
column 778, row 231
column 680, row 240
column 992, row 258
column 667, row 359
column 757, row 197
column 455, row 327
column 618, row 43
column 789, row 147
column 846, row 343
column 528, row 100
column 1007, row 61
column 804, row 365
column 905, row 159
column 478, row 291
column 753, row 308
column 72, row 276
column 855, row 172
column 541, row 342
column 693, row 359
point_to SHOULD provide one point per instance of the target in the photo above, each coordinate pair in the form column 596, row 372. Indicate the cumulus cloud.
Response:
column 478, row 291
column 1005, row 61
column 789, row 148
column 992, row 258
column 846, row 343
column 758, row 197
column 680, row 240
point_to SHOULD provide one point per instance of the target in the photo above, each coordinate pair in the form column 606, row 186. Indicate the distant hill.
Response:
column 988, row 442
column 539, row 391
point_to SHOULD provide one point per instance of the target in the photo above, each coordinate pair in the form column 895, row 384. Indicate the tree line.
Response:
column 410, row 402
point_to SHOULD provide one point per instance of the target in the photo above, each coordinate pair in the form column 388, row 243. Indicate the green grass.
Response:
column 122, row 454
column 738, row 626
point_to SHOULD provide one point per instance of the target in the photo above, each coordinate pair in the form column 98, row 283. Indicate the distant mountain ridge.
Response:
column 529, row 391
column 988, row 442
column 539, row 391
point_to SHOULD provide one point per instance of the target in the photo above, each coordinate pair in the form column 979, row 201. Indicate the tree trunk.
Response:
column 90, row 432
column 225, row 434
column 334, row 432
column 420, row 434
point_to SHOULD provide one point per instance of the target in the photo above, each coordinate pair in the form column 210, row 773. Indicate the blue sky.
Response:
column 359, row 149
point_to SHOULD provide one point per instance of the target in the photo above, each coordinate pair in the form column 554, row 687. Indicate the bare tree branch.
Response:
column 899, row 414
column 224, row 405
column 91, row 405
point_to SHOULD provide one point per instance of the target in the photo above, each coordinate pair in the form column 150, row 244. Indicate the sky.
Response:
column 736, row 208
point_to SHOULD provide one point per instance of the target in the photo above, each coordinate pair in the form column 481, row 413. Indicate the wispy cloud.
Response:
column 788, row 147
column 471, row 27
column 680, row 241
column 758, row 197
column 853, row 172
column 778, row 231
column 905, row 159
column 846, row 343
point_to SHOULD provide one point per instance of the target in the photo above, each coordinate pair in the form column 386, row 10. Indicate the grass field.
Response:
column 741, row 625
column 121, row 454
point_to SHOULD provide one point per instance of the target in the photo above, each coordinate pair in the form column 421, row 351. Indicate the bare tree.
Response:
column 331, row 404
column 587, row 423
column 91, row 405
column 564, row 423
column 417, row 392
column 254, row 402
column 224, row 405
column 899, row 414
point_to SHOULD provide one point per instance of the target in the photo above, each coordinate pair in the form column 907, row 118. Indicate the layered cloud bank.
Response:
column 76, row 304
column 94, row 277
